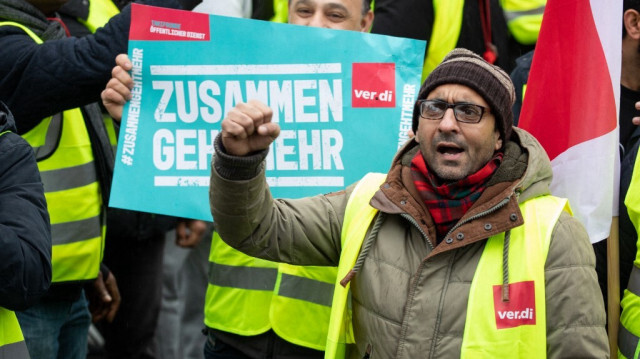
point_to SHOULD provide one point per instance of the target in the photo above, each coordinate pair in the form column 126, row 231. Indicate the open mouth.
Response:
column 449, row 149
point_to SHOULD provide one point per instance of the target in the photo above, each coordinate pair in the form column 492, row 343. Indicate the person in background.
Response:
column 479, row 26
column 629, row 172
column 25, row 235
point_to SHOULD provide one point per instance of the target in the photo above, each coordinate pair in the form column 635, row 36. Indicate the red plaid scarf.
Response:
column 447, row 203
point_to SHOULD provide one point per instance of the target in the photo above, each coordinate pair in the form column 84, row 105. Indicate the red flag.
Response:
column 571, row 105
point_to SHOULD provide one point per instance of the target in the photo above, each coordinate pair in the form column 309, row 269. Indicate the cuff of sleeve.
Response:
column 236, row 168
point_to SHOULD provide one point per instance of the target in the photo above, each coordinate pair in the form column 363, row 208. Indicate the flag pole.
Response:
column 613, row 287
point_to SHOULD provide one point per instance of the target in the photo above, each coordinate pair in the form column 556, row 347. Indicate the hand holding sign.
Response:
column 118, row 90
column 248, row 128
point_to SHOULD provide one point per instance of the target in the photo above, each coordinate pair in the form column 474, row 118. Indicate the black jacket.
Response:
column 25, row 233
column 520, row 77
column 37, row 81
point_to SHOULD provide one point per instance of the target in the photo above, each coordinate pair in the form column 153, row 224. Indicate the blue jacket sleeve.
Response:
column 37, row 81
column 25, row 233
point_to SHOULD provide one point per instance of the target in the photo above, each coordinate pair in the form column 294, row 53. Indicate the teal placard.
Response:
column 343, row 99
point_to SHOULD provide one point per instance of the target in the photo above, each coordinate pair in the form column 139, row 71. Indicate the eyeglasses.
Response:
column 462, row 111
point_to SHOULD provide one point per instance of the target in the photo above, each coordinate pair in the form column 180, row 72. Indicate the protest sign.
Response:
column 343, row 100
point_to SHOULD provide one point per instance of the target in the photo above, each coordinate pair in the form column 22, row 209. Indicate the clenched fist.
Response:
column 248, row 128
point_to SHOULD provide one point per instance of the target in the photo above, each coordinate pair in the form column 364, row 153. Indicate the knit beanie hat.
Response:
column 464, row 67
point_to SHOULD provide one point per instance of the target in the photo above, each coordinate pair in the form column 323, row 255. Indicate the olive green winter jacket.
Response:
column 410, row 297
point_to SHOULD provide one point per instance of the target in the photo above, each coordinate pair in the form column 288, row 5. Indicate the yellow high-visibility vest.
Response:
column 482, row 339
column 447, row 22
column 66, row 164
column 303, row 295
column 629, row 332
column 358, row 216
column 239, row 291
column 100, row 11
column 281, row 11
column 528, row 249
column 12, row 345
column 248, row 296
column 524, row 18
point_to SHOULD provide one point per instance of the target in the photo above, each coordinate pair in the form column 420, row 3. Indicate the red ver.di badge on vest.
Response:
column 521, row 307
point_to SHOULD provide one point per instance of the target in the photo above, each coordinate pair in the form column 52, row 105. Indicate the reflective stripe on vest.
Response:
column 628, row 337
column 268, row 295
column 630, row 317
column 634, row 281
column 524, row 18
column 627, row 344
column 358, row 216
column 628, row 334
column 72, row 191
column 52, row 139
column 447, row 23
column 303, row 295
column 12, row 344
column 100, row 11
column 518, row 331
column 629, row 324
column 240, row 290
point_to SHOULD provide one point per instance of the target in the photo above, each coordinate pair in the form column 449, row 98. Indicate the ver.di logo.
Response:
column 520, row 309
column 373, row 84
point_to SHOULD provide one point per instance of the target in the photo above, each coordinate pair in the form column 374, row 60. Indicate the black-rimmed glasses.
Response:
column 462, row 111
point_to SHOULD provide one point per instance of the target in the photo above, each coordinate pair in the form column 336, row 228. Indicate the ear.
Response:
column 498, row 144
column 631, row 20
column 366, row 22
column 416, row 136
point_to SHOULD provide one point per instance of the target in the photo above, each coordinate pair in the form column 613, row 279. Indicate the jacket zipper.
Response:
column 414, row 285
column 415, row 224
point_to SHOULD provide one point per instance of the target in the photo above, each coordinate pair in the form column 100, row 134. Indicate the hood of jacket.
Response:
column 538, row 173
